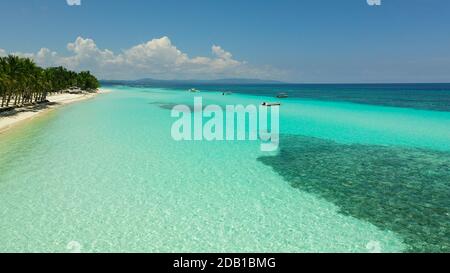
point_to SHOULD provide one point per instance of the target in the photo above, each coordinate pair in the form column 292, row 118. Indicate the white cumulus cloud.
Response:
column 157, row 58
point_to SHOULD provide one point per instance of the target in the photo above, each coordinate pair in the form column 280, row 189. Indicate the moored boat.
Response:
column 270, row 104
column 283, row 95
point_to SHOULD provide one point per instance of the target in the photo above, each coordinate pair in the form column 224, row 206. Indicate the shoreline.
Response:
column 17, row 116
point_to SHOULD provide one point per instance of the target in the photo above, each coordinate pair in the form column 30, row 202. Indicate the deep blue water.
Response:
column 434, row 96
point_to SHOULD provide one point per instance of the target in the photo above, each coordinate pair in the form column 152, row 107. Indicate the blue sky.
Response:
column 290, row 40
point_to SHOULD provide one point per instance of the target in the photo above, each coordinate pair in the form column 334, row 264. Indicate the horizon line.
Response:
column 271, row 81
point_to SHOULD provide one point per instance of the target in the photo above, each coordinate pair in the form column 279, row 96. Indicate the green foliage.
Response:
column 86, row 81
column 22, row 81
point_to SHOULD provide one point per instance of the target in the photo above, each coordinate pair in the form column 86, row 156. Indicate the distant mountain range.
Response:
column 150, row 81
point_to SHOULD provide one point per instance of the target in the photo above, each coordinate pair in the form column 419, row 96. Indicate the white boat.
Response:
column 193, row 90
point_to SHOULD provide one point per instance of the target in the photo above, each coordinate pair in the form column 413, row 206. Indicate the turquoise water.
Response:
column 105, row 175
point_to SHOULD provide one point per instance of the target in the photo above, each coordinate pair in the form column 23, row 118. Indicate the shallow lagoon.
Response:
column 107, row 175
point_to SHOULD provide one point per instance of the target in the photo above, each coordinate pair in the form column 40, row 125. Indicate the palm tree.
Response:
column 3, row 87
column 23, row 82
column 86, row 81
column 13, row 72
column 3, row 81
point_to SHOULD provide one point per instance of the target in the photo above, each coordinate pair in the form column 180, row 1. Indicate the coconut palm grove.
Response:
column 23, row 82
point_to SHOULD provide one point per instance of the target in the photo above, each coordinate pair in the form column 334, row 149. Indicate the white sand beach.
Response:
column 16, row 116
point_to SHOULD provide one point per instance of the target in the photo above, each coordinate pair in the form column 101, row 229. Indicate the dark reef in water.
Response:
column 167, row 106
column 405, row 190
column 170, row 106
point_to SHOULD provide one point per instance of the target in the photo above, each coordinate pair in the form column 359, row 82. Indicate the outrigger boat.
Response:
column 283, row 96
column 271, row 104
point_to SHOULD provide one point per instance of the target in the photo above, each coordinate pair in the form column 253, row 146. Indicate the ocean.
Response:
column 360, row 168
